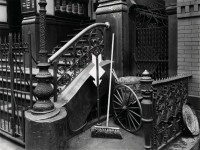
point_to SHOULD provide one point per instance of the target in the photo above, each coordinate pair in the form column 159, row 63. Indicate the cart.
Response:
column 126, row 97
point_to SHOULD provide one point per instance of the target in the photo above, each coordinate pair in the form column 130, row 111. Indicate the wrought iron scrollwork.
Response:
column 78, row 56
column 168, row 99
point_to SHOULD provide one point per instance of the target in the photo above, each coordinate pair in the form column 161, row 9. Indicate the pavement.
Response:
column 6, row 144
column 84, row 141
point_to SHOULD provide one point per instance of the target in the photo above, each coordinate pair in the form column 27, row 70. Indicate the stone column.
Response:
column 172, row 36
column 116, row 13
column 45, row 127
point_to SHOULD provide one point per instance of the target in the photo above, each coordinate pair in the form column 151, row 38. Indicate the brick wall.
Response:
column 188, row 12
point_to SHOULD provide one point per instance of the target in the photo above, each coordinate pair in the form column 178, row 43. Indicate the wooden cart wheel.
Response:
column 127, row 108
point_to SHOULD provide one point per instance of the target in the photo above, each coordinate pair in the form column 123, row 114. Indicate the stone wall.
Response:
column 188, row 12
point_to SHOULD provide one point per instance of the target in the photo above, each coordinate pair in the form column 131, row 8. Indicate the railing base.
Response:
column 46, row 134
column 184, row 143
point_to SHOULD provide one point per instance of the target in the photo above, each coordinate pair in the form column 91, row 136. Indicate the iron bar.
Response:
column 1, row 50
column 55, row 71
column 7, row 88
column 12, row 84
column 44, row 89
column 30, row 70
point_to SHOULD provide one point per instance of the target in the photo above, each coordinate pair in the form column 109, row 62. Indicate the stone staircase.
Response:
column 14, row 102
column 83, row 140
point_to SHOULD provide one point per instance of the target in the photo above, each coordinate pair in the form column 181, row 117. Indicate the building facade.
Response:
column 161, row 36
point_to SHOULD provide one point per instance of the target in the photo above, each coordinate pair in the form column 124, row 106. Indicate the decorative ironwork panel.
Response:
column 151, row 47
column 78, row 56
column 168, row 98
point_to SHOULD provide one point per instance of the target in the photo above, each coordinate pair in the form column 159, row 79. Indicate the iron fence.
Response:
column 169, row 95
column 15, row 84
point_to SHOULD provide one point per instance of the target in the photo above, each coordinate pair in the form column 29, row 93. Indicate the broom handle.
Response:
column 98, row 101
column 110, row 80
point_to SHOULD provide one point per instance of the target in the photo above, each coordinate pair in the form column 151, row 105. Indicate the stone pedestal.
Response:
column 116, row 13
column 46, row 132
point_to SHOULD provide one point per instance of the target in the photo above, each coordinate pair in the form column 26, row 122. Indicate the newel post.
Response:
column 147, row 108
column 45, row 125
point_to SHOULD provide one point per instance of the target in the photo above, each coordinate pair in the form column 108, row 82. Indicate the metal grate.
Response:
column 151, row 47
column 15, row 95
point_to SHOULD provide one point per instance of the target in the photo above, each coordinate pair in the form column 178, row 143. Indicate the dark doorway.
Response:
column 14, row 15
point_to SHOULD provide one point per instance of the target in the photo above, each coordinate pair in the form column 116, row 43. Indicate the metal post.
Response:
column 147, row 107
column 30, row 70
column 44, row 88
column 11, row 63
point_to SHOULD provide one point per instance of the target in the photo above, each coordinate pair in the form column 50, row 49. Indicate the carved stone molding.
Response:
column 172, row 9
column 188, row 9
column 108, row 6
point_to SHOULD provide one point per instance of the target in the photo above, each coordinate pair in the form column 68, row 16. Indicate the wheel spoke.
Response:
column 116, row 102
column 118, row 98
column 122, row 89
column 134, row 118
column 133, row 107
column 132, row 103
column 129, row 121
column 121, row 99
column 117, row 108
column 134, row 113
column 119, row 113
column 129, row 95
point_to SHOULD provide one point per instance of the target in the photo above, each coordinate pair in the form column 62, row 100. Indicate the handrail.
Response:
column 74, row 39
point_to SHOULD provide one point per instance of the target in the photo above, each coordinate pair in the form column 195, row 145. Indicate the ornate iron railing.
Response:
column 151, row 43
column 169, row 95
column 15, row 80
column 75, row 55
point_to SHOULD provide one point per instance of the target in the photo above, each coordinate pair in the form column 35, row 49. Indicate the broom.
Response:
column 106, row 131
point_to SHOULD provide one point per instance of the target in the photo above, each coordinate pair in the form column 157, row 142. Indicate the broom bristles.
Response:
column 105, row 132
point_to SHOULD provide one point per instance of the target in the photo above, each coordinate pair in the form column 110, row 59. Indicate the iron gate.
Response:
column 151, row 45
column 15, row 92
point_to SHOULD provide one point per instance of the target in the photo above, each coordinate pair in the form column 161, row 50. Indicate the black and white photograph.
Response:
column 99, row 74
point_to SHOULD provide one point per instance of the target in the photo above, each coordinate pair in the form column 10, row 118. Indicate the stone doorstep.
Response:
column 184, row 143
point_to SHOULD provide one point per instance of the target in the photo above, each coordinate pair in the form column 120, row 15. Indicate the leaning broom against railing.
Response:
column 75, row 55
column 162, row 109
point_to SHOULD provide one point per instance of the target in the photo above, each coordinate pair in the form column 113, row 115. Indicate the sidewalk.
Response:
column 6, row 144
column 84, row 141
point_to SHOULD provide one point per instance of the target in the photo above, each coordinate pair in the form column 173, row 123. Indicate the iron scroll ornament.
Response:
column 80, row 53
